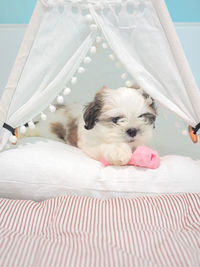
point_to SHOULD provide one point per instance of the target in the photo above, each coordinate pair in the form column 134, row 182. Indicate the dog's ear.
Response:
column 150, row 101
column 91, row 114
column 93, row 110
column 151, row 117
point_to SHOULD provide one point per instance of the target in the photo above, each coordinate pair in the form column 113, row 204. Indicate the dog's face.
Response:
column 121, row 115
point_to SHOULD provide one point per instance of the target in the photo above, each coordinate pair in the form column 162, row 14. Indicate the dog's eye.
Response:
column 115, row 119
column 120, row 120
column 144, row 115
column 148, row 117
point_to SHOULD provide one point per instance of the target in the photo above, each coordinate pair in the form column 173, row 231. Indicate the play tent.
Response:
column 59, row 44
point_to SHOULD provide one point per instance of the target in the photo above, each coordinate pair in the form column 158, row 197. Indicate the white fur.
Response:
column 107, row 139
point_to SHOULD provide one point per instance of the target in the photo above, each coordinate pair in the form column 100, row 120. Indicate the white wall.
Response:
column 10, row 40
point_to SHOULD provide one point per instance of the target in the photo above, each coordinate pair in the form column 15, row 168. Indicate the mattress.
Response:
column 80, row 231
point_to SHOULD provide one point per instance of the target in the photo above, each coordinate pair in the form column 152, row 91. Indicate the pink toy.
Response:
column 142, row 157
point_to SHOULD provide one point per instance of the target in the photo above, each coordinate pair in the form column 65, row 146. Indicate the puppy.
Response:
column 111, row 126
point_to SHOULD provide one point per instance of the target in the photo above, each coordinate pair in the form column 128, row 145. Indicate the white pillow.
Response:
column 40, row 169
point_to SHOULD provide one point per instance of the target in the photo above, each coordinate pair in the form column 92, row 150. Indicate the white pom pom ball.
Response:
column 89, row 18
column 74, row 80
column 13, row 139
column 52, row 108
column 105, row 45
column 124, row 76
column 87, row 60
column 93, row 27
column 67, row 91
column 112, row 57
column 43, row 116
column 129, row 83
column 31, row 125
column 81, row 70
column 98, row 39
column 22, row 129
column 60, row 99
column 93, row 50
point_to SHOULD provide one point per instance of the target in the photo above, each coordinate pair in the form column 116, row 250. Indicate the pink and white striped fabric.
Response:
column 162, row 230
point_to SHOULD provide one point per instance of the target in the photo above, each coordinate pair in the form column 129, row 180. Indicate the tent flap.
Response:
column 59, row 37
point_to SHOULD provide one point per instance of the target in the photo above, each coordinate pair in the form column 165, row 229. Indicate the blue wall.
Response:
column 19, row 11
column 184, row 10
column 16, row 11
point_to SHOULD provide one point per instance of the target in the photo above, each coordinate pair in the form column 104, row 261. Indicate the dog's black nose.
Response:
column 132, row 132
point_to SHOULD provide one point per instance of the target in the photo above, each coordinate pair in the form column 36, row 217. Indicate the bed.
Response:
column 115, row 216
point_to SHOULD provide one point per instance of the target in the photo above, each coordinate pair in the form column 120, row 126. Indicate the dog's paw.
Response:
column 119, row 154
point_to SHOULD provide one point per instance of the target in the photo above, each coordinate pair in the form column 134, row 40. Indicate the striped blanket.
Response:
column 162, row 230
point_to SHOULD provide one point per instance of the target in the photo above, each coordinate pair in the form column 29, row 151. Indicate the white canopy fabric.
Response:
column 141, row 35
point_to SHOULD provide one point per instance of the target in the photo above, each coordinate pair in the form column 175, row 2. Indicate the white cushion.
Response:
column 40, row 169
